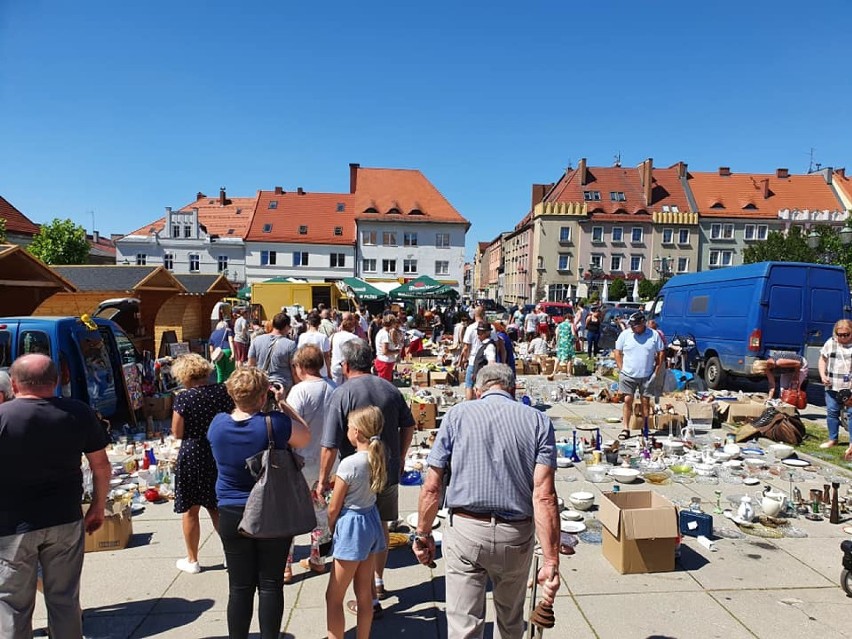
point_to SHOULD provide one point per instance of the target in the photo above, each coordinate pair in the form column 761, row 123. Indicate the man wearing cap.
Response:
column 496, row 510
column 639, row 354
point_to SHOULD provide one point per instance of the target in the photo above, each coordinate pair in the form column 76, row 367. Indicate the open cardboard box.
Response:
column 116, row 531
column 425, row 415
column 640, row 530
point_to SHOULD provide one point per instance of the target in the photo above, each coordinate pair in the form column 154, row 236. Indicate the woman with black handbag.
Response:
column 253, row 564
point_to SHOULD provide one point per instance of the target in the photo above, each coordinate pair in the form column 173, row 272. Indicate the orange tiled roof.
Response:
column 666, row 190
column 217, row 219
column 406, row 190
column 16, row 222
column 842, row 182
column 759, row 195
column 319, row 212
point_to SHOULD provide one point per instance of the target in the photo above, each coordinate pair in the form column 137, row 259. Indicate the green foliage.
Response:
column 2, row 229
column 648, row 289
column 60, row 242
column 618, row 289
column 793, row 247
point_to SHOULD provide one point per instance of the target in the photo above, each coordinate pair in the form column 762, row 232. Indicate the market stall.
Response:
column 26, row 282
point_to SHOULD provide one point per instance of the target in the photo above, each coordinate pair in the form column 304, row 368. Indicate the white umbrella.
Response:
column 605, row 293
column 568, row 296
column 636, row 290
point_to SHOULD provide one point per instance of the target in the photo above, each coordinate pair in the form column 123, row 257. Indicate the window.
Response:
column 721, row 231
column 721, row 258
column 442, row 240
column 564, row 234
column 168, row 261
column 763, row 231
column 337, row 260
column 540, row 261
column 368, row 266
column 755, row 232
column 635, row 263
column 388, row 266
column 389, row 238
column 268, row 258
column 221, row 263
column 341, row 207
column 409, row 239
column 175, row 230
column 617, row 234
column 617, row 196
column 303, row 229
column 596, row 260
column 563, row 262
column 187, row 231
column 194, row 262
column 338, row 230
column 141, row 259
column 665, row 208
column 682, row 264
column 683, row 236
column 636, row 235
column 409, row 266
column 668, row 236
column 727, row 231
column 368, row 238
column 273, row 204
column 597, row 234
column 300, row 258
column 267, row 228
column 34, row 342
column 559, row 292
column 442, row 267
column 675, row 208
column 616, row 263
column 592, row 196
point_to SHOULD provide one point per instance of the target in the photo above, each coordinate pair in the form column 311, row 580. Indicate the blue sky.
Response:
column 123, row 108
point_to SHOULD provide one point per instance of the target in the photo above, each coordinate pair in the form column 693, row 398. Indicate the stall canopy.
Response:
column 361, row 290
column 424, row 287
column 244, row 293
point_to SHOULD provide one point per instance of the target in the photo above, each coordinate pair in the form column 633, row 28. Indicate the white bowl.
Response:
column 721, row 455
column 596, row 473
column 733, row 450
column 563, row 462
column 782, row 451
column 624, row 475
column 705, row 470
column 571, row 515
column 581, row 500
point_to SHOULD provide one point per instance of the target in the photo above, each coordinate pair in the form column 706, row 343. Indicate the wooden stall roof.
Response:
column 18, row 267
column 201, row 284
column 117, row 277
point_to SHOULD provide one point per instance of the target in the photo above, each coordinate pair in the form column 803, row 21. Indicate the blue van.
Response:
column 738, row 314
column 94, row 358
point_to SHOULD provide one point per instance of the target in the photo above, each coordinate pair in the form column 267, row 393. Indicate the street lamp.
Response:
column 662, row 265
column 813, row 239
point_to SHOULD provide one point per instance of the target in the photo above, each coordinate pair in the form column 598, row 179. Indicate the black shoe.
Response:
column 378, row 613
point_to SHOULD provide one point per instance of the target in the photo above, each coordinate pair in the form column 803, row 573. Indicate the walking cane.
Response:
column 541, row 616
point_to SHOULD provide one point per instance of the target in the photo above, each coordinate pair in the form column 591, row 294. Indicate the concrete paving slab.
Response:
column 821, row 555
column 774, row 613
column 682, row 615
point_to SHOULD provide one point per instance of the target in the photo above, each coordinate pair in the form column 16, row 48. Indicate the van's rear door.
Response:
column 828, row 302
column 100, row 378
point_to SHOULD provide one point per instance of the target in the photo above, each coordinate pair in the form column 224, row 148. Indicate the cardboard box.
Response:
column 640, row 531
column 159, row 407
column 547, row 365
column 425, row 415
column 740, row 412
column 420, row 378
column 442, row 377
column 116, row 531
column 532, row 368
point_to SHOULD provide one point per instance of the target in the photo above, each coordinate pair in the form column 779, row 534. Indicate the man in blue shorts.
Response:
column 639, row 354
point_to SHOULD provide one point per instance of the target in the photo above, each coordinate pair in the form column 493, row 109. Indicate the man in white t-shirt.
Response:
column 470, row 347
column 531, row 324
column 242, row 338
column 345, row 334
column 313, row 336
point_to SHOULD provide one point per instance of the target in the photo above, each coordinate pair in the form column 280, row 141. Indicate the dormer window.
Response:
column 749, row 207
column 303, row 230
column 591, row 196
column 394, row 211
column 415, row 212
column 675, row 208
column 617, row 196
column 341, row 207
column 267, row 228
column 273, row 204
column 230, row 231
column 338, row 230
column 370, row 210
column 717, row 205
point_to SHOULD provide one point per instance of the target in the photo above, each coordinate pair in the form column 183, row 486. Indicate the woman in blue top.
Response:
column 253, row 564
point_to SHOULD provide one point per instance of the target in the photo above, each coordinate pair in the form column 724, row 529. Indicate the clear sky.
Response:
column 117, row 109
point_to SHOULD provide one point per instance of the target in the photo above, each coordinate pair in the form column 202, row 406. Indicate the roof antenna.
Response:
column 617, row 159
column 813, row 167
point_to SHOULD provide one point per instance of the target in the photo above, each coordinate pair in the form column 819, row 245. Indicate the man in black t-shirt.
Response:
column 41, row 440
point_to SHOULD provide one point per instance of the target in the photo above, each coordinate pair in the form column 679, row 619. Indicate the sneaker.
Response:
column 829, row 444
column 186, row 565
column 352, row 606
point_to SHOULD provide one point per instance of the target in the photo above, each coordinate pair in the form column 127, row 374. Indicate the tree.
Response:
column 2, row 229
column 791, row 246
column 60, row 242
column 618, row 289
column 648, row 289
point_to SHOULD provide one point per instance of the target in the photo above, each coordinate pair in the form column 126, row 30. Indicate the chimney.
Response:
column 538, row 191
column 841, row 173
column 582, row 171
column 681, row 170
column 279, row 190
column 199, row 196
column 782, row 173
column 223, row 200
column 353, row 176
column 724, row 171
column 300, row 191
column 765, row 187
column 96, row 237
column 647, row 175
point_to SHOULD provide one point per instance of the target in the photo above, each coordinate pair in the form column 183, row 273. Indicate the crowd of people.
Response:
column 322, row 385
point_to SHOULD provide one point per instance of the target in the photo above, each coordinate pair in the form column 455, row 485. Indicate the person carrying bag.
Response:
column 255, row 563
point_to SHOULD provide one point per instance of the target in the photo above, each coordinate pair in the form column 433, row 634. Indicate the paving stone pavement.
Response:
column 747, row 587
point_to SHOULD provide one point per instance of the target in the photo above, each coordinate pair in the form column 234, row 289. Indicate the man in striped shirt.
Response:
column 501, row 495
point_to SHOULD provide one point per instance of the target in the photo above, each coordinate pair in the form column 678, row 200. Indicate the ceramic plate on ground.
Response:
column 613, row 420
column 571, row 515
column 751, row 481
column 796, row 463
column 411, row 520
column 754, row 452
column 573, row 527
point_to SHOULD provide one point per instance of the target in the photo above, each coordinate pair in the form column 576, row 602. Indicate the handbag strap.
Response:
column 269, row 432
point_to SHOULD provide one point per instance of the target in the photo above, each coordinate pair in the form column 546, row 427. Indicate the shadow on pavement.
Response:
column 400, row 619
column 140, row 539
column 134, row 618
column 690, row 560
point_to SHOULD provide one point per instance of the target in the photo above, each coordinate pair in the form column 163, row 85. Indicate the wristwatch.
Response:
column 422, row 535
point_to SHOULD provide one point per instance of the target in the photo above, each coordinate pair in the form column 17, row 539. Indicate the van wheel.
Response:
column 714, row 374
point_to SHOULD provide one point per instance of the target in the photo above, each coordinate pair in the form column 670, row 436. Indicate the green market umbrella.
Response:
column 361, row 290
column 244, row 293
column 423, row 287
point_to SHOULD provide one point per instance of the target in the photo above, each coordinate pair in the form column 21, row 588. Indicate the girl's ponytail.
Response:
column 378, row 464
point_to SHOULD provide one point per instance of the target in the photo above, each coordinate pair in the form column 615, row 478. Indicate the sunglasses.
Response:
column 843, row 334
